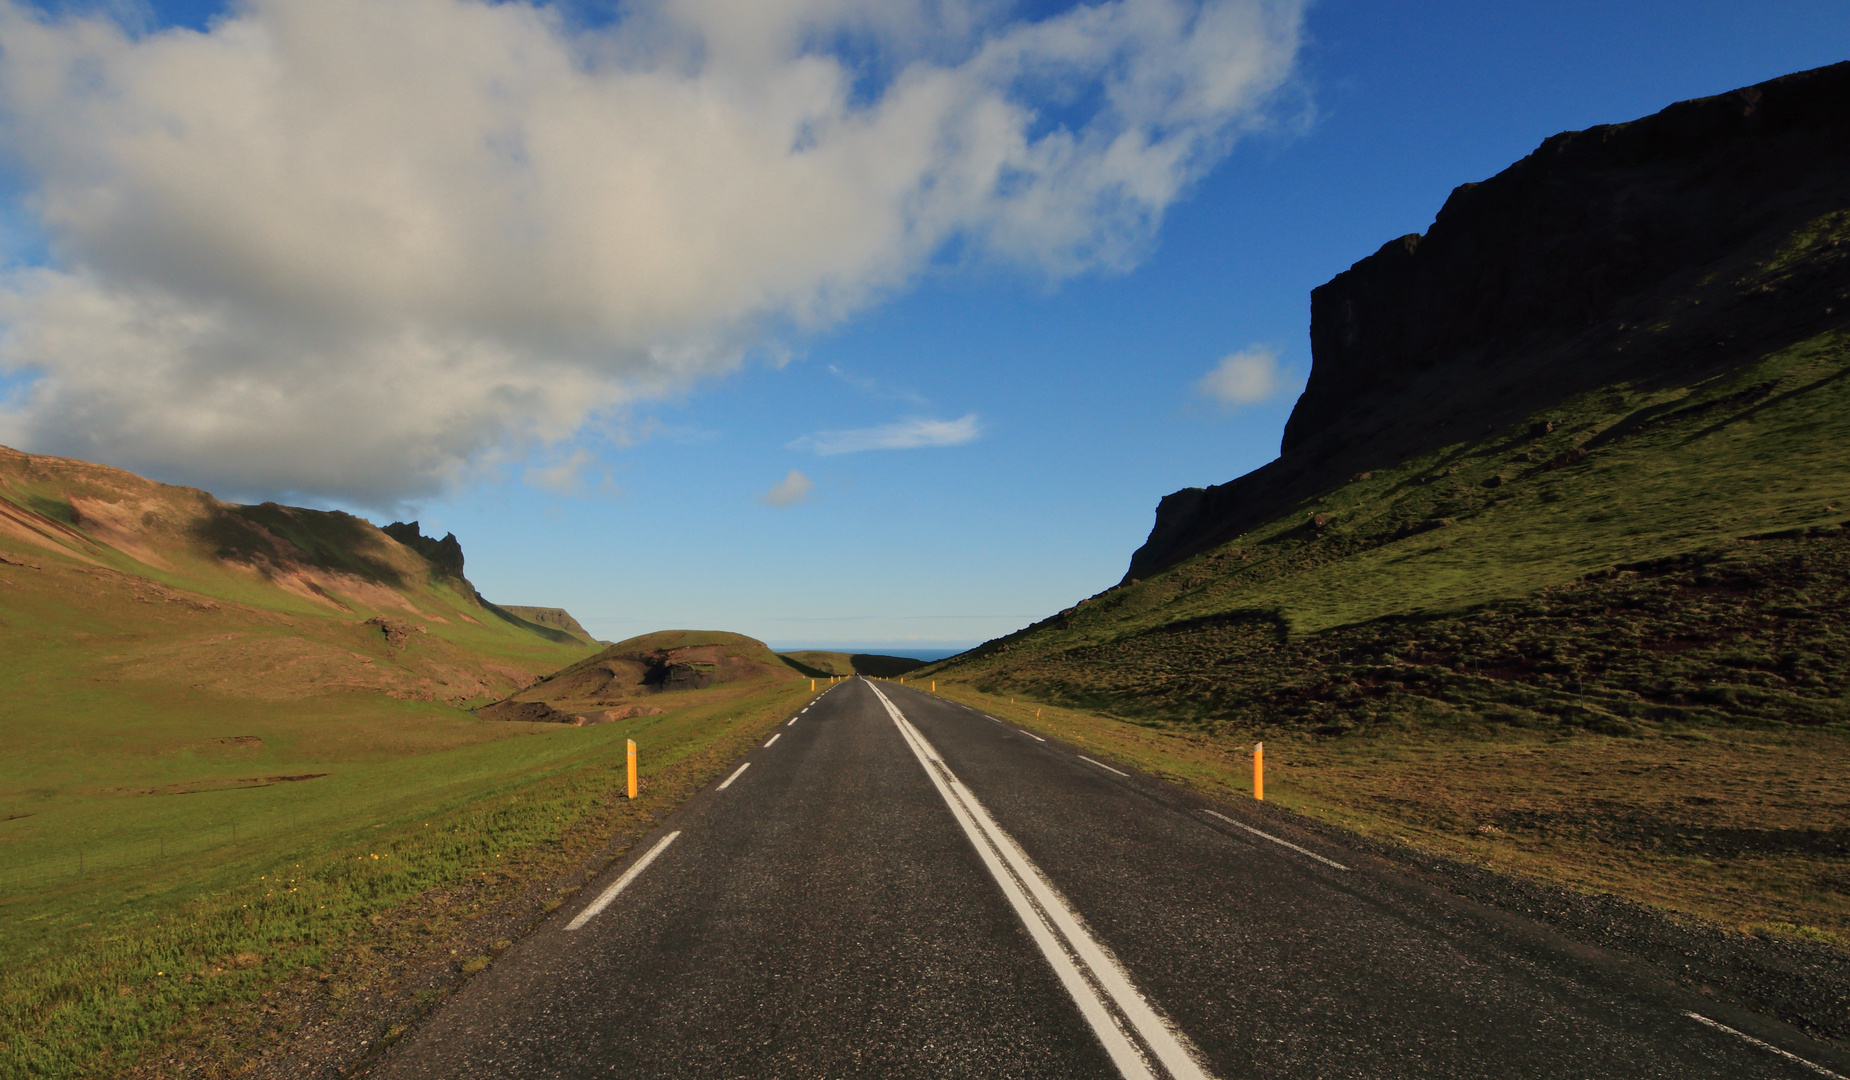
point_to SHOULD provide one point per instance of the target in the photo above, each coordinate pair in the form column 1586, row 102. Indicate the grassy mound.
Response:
column 634, row 674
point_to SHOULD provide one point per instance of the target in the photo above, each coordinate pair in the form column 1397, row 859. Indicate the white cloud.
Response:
column 792, row 489
column 356, row 248
column 565, row 477
column 1243, row 378
column 898, row 435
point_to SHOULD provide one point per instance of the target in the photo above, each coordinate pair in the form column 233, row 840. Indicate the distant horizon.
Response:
column 876, row 650
column 812, row 382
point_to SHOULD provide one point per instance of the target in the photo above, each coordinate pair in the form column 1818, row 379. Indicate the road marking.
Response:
column 1788, row 1055
column 774, row 738
column 1032, row 735
column 1084, row 967
column 1100, row 764
column 735, row 776
column 794, row 718
column 1276, row 840
column 604, row 898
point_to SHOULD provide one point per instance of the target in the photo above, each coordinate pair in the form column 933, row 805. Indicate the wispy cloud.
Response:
column 905, row 434
column 789, row 491
column 564, row 478
column 876, row 388
column 1244, row 378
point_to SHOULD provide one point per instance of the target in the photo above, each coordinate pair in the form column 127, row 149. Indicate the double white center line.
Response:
column 1135, row 1036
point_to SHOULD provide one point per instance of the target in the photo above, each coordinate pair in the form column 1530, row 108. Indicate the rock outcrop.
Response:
column 446, row 555
column 1696, row 239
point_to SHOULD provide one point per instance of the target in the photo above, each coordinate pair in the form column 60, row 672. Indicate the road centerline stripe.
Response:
column 734, row 776
column 774, row 738
column 1276, row 840
column 1032, row 735
column 1102, row 765
column 1082, row 963
column 604, row 898
column 1787, row 1054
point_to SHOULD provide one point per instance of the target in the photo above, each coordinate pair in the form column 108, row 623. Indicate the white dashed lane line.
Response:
column 604, row 898
column 1276, row 840
column 774, row 738
column 1788, row 1055
column 735, row 776
column 1032, row 735
column 1100, row 764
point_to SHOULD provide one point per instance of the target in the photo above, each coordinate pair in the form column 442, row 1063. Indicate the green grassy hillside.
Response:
column 1609, row 561
column 199, row 695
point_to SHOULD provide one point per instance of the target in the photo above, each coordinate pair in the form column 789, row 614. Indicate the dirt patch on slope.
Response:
column 531, row 712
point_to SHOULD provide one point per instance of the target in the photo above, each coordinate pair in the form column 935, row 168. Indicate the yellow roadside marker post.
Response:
column 1259, row 771
column 934, row 686
column 632, row 743
column 812, row 686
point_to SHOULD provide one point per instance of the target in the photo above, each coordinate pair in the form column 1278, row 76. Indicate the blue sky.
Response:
column 1081, row 383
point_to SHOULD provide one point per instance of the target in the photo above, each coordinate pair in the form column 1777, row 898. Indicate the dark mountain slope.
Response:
column 1657, row 252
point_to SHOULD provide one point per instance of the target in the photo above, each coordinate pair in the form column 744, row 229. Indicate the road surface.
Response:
column 896, row 885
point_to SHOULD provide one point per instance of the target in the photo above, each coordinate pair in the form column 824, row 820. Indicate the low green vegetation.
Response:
column 236, row 750
column 137, row 916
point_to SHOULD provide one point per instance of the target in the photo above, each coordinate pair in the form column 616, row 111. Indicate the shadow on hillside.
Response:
column 271, row 536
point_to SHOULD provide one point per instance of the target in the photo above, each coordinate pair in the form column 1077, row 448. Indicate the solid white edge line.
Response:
column 1787, row 1054
column 1032, row 735
column 774, row 738
column 1101, row 765
column 734, row 776
column 1157, row 1033
column 604, row 898
column 1276, row 840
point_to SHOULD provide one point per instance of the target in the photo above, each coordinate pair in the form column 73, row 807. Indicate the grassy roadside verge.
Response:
column 1741, row 828
column 165, row 967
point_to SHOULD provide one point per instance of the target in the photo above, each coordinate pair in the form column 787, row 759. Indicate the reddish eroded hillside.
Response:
column 131, row 583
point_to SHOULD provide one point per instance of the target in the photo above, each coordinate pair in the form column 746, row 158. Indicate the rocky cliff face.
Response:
column 1696, row 239
column 446, row 555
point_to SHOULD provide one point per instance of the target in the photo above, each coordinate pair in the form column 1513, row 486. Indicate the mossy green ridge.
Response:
column 1611, row 560
column 552, row 618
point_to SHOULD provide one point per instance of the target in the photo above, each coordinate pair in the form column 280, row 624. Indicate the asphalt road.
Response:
column 899, row 886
